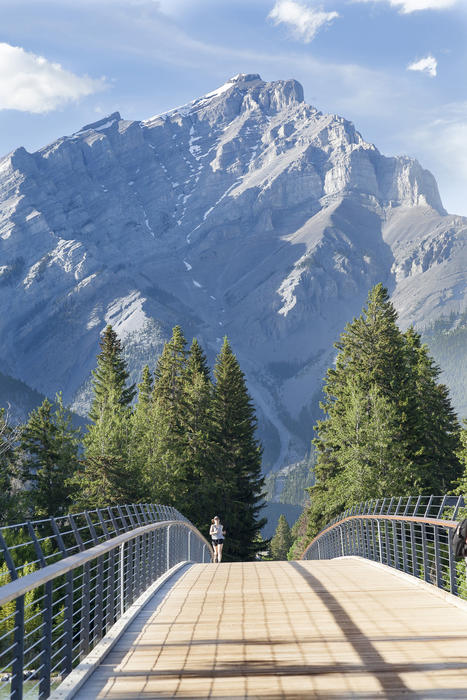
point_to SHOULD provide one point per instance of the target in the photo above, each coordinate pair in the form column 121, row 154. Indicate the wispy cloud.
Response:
column 31, row 83
column 304, row 21
column 407, row 6
column 427, row 65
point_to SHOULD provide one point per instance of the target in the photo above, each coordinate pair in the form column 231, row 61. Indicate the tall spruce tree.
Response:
column 50, row 458
column 166, row 466
column 141, row 443
column 110, row 377
column 197, row 491
column 106, row 465
column 282, row 540
column 431, row 422
column 389, row 428
column 8, row 469
column 239, row 482
column 461, row 485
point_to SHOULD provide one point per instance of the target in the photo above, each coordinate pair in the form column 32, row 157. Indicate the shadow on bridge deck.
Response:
column 336, row 629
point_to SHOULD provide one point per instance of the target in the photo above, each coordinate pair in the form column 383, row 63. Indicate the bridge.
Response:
column 124, row 602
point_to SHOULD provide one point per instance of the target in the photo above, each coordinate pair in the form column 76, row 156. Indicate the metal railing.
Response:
column 64, row 582
column 411, row 534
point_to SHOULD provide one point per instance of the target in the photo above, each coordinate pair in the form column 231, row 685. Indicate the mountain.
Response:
column 246, row 212
column 17, row 398
column 447, row 340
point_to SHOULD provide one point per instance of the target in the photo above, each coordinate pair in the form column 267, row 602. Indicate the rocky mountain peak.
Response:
column 245, row 212
column 103, row 123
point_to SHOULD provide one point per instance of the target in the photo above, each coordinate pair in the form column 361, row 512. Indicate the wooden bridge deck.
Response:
column 337, row 629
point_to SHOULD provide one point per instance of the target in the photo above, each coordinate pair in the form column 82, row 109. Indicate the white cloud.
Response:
column 304, row 21
column 427, row 65
column 407, row 6
column 31, row 83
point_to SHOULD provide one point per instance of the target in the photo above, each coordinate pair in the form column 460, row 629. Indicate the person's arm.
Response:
column 212, row 529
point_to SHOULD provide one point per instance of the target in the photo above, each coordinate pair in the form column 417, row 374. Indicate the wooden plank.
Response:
column 333, row 629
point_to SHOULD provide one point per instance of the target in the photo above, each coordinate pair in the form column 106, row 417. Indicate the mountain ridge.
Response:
column 246, row 212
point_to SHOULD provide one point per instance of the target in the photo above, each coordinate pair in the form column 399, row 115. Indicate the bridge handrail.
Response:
column 449, row 524
column 53, row 616
column 38, row 542
column 24, row 584
column 411, row 534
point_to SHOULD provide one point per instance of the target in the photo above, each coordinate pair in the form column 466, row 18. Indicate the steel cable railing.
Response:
column 64, row 582
column 411, row 534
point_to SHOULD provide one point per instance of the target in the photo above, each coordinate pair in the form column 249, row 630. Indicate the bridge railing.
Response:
column 411, row 534
column 64, row 582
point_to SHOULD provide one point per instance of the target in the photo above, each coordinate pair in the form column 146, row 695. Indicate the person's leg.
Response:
column 219, row 553
column 215, row 552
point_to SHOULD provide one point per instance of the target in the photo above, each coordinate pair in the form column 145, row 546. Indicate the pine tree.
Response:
column 107, row 465
column 431, row 422
column 110, row 377
column 106, row 480
column 389, row 428
column 8, row 469
column 166, row 465
column 461, row 484
column 238, row 458
column 282, row 540
column 50, row 457
column 141, row 442
column 197, row 490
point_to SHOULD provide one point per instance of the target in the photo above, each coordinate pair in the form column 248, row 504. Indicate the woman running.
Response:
column 217, row 533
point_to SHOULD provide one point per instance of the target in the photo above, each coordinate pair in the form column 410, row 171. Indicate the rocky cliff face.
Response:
column 246, row 212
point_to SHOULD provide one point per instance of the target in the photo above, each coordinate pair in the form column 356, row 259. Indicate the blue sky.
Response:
column 396, row 68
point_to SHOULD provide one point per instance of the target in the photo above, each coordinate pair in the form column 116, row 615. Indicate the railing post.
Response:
column 189, row 545
column 439, row 578
column 84, row 631
column 452, row 569
column 387, row 542
column 379, row 542
column 68, row 611
column 395, row 544
column 426, row 572
column 16, row 690
column 122, row 578
column 415, row 569
column 405, row 564
column 46, row 642
column 168, row 548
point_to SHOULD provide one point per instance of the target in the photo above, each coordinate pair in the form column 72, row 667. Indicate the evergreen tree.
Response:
column 106, row 480
column 141, row 445
column 110, row 377
column 166, row 465
column 197, row 490
column 50, row 457
column 282, row 540
column 389, row 428
column 461, row 489
column 431, row 422
column 8, row 469
column 239, row 481
column 145, row 388
column 107, row 464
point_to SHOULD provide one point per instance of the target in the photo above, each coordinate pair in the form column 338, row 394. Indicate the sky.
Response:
column 396, row 68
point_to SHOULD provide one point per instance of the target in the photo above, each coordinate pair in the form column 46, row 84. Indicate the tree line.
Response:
column 388, row 426
column 181, row 438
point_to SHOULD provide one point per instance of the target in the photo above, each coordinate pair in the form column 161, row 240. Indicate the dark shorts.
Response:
column 214, row 542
